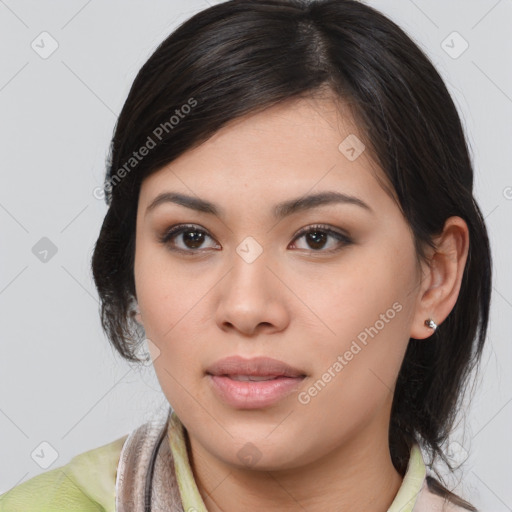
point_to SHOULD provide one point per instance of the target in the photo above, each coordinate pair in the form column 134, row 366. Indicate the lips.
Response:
column 253, row 383
column 256, row 367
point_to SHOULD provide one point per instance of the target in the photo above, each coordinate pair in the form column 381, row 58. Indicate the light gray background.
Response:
column 60, row 382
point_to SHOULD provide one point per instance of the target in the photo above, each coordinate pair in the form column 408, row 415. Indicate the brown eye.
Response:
column 188, row 238
column 317, row 238
column 193, row 239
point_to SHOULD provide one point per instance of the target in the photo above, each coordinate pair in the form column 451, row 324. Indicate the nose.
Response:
column 252, row 299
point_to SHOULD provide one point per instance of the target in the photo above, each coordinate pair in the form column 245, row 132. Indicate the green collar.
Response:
column 191, row 498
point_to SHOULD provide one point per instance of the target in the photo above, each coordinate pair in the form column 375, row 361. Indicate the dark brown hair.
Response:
column 243, row 56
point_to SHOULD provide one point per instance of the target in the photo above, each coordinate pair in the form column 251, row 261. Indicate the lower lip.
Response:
column 253, row 394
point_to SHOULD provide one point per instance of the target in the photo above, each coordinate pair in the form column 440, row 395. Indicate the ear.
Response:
column 442, row 277
column 136, row 314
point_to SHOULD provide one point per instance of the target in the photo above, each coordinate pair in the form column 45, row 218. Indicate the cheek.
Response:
column 368, row 309
column 362, row 288
column 164, row 294
column 174, row 310
column 169, row 305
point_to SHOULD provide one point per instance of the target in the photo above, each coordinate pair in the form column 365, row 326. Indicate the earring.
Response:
column 431, row 324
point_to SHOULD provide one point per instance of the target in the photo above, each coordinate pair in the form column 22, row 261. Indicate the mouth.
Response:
column 255, row 367
column 254, row 378
column 253, row 383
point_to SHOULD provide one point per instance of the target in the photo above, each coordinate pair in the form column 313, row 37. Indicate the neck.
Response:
column 356, row 476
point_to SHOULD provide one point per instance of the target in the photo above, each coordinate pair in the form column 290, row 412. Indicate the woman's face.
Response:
column 328, row 288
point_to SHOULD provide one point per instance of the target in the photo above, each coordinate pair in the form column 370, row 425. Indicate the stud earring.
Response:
column 431, row 324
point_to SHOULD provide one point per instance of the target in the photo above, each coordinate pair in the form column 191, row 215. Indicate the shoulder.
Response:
column 86, row 483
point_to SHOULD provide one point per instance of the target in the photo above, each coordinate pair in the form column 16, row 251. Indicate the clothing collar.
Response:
column 191, row 498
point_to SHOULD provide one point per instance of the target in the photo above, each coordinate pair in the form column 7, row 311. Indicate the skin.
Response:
column 297, row 302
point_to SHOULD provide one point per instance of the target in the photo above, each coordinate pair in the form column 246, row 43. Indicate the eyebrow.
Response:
column 280, row 210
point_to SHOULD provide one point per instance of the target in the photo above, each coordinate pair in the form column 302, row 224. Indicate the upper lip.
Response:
column 256, row 366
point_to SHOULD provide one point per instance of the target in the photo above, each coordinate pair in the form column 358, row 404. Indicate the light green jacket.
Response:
column 85, row 484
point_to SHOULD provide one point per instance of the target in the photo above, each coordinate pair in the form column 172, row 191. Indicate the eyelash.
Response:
column 175, row 231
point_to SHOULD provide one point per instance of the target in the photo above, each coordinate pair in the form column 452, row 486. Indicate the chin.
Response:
column 259, row 454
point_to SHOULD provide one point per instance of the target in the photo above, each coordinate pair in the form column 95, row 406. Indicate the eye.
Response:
column 191, row 239
column 317, row 237
column 185, row 238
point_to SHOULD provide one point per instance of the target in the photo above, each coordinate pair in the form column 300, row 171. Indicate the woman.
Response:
column 292, row 230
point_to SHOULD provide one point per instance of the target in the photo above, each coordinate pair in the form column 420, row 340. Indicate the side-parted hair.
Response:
column 244, row 56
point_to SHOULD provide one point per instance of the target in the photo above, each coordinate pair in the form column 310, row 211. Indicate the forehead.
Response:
column 292, row 148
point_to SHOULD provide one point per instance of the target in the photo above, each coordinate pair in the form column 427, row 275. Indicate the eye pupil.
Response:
column 318, row 239
column 195, row 237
